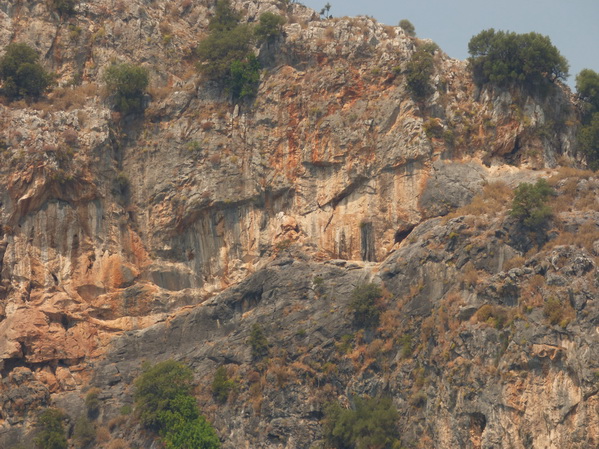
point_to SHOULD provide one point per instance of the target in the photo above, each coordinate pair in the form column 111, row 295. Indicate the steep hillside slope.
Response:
column 115, row 224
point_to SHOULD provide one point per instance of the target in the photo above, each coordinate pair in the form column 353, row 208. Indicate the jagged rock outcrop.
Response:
column 112, row 226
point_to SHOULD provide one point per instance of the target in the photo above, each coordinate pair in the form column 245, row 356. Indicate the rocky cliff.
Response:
column 168, row 234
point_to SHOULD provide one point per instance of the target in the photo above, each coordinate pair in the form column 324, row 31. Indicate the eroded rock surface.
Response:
column 168, row 234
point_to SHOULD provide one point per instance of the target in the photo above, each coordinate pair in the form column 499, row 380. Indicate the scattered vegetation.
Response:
column 226, row 53
column 495, row 316
column 21, row 73
column 530, row 203
column 408, row 27
column 164, row 403
column 92, row 403
column 84, row 432
column 222, row 385
column 269, row 27
column 364, row 305
column 128, row 82
column 419, row 71
column 558, row 311
column 494, row 197
column 52, row 434
column 503, row 58
column 258, row 342
column 371, row 423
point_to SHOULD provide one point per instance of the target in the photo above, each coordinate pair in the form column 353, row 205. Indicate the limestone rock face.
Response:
column 169, row 233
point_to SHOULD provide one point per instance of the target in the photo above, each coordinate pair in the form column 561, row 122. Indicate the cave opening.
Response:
column 402, row 234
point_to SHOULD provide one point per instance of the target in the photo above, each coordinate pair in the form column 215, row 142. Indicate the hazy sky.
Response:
column 572, row 25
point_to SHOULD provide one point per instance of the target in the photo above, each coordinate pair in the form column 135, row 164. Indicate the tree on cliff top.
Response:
column 408, row 27
column 587, row 86
column 503, row 58
column 226, row 53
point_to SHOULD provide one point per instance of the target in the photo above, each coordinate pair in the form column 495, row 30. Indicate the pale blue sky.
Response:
column 572, row 25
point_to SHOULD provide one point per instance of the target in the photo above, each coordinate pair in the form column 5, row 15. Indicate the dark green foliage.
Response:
column 21, row 73
column 406, row 344
column 128, row 82
column 222, row 385
column 226, row 53
column 188, row 432
column 588, row 141
column 325, row 12
column 258, row 342
column 371, row 424
column 530, row 203
column 408, row 27
column 269, row 27
column 84, row 431
column 225, row 18
column 587, row 86
column 364, row 305
column 419, row 71
column 221, row 48
column 158, row 388
column 244, row 78
column 92, row 403
column 502, row 58
column 52, row 434
column 164, row 403
column 64, row 7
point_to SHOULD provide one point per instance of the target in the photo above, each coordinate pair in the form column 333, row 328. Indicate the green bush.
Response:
column 269, row 27
column 164, row 403
column 587, row 85
column 529, row 205
column 128, row 82
column 226, row 53
column 258, row 342
column 364, row 305
column 244, row 78
column 52, row 434
column 408, row 27
column 157, row 388
column 222, row 385
column 502, row 58
column 21, row 73
column 372, row 423
column 419, row 71
column 84, row 431
column 92, row 402
column 588, row 141
column 558, row 311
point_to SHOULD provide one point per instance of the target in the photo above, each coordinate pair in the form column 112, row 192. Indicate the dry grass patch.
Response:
column 159, row 93
column 493, row 315
column 587, row 234
column 568, row 172
column 118, row 444
column 558, row 311
column 531, row 293
column 494, row 199
column 514, row 262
